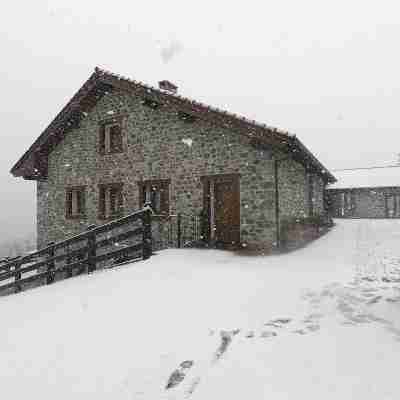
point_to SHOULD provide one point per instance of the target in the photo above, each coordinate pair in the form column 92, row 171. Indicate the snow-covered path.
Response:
column 321, row 322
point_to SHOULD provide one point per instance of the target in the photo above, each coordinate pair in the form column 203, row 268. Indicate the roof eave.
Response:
column 26, row 165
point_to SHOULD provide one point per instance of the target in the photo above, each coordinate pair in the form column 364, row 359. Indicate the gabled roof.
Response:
column 378, row 177
column 33, row 164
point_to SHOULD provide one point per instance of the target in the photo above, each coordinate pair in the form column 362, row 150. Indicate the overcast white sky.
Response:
column 327, row 71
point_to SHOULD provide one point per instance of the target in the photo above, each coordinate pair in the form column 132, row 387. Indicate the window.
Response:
column 155, row 192
column 111, row 137
column 342, row 209
column 75, row 202
column 110, row 200
column 348, row 203
column 392, row 205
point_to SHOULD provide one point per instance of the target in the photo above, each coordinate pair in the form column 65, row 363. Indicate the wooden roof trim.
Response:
column 258, row 133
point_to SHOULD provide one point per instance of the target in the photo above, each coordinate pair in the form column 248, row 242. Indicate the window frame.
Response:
column 113, row 213
column 81, row 202
column 105, row 127
column 164, row 186
column 395, row 212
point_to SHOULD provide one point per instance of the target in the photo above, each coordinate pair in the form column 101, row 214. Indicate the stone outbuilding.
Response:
column 119, row 143
column 366, row 193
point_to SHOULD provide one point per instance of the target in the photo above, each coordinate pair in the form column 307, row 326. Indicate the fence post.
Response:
column 91, row 244
column 51, row 265
column 68, row 261
column 179, row 223
column 17, row 276
column 146, row 223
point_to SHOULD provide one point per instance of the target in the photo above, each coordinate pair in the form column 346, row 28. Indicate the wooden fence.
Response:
column 80, row 253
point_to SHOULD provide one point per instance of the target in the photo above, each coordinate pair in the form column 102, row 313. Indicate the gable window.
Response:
column 111, row 137
column 155, row 193
column 75, row 202
column 111, row 200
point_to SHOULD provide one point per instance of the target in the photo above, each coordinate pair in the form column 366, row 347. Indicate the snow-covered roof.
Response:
column 371, row 177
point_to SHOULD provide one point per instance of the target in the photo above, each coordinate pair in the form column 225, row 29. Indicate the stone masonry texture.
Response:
column 364, row 202
column 155, row 148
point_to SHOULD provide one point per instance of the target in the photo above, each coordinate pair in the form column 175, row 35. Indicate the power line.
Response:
column 355, row 169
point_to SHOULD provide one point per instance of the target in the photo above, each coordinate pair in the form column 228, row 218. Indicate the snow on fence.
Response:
column 86, row 252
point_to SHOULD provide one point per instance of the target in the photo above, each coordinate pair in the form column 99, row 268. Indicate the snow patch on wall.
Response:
column 188, row 142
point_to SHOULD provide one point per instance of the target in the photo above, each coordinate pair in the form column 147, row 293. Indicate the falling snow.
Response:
column 188, row 142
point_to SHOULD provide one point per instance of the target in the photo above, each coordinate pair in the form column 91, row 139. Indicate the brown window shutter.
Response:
column 81, row 201
column 102, row 202
column 164, row 198
column 102, row 139
column 113, row 200
column 115, row 139
column 142, row 194
column 120, row 201
column 68, row 203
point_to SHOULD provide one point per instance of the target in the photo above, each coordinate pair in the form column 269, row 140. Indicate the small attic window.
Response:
column 186, row 117
column 111, row 137
column 151, row 103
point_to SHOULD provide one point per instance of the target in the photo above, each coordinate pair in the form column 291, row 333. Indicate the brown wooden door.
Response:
column 226, row 210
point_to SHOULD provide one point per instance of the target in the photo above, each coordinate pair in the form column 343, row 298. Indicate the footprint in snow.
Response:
column 278, row 323
column 307, row 329
column 179, row 374
column 226, row 339
column 374, row 300
column 393, row 299
column 268, row 334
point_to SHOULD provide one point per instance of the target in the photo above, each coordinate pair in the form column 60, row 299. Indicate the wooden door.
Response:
column 223, row 204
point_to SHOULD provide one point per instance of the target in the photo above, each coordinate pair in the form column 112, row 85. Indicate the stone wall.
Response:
column 42, row 217
column 294, row 191
column 363, row 202
column 156, row 147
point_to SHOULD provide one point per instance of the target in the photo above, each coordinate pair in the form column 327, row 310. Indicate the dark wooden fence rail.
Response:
column 44, row 265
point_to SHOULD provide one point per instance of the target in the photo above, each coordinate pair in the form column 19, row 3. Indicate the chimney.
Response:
column 168, row 86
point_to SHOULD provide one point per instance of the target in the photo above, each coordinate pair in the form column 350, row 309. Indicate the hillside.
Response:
column 319, row 323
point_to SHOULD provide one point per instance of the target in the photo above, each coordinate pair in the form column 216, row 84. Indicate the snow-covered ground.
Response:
column 319, row 323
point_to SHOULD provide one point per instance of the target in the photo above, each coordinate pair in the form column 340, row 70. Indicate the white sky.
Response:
column 327, row 71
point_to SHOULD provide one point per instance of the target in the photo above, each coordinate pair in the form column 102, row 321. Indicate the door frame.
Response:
column 208, row 183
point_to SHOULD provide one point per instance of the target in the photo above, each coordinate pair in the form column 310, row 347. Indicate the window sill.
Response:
column 111, row 153
column 75, row 217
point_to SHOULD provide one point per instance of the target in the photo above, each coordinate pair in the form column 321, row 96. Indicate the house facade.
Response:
column 366, row 193
column 119, row 144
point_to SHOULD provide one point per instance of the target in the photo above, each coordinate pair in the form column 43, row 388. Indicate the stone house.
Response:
column 119, row 143
column 366, row 193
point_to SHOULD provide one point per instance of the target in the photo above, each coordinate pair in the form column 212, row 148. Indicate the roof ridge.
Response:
column 251, row 128
column 253, row 122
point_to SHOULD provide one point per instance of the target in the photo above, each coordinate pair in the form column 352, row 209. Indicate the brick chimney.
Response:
column 168, row 86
